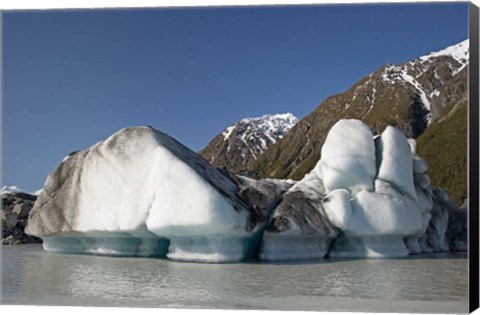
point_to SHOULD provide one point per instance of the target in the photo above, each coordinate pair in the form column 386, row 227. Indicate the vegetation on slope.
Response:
column 444, row 146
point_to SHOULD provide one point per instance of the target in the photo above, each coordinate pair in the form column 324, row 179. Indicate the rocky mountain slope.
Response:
column 243, row 142
column 444, row 145
column 414, row 96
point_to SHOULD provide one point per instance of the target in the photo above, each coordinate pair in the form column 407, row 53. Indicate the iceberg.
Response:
column 140, row 192
column 376, row 222
column 394, row 156
column 359, row 201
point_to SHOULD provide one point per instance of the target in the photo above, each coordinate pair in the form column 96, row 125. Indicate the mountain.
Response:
column 15, row 189
column 444, row 145
column 414, row 96
column 9, row 190
column 243, row 142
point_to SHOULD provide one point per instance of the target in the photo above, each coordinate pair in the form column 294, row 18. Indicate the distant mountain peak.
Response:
column 15, row 190
column 285, row 117
column 459, row 52
column 10, row 190
column 243, row 141
column 272, row 126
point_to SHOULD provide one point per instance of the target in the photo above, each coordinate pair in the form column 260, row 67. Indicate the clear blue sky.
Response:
column 72, row 78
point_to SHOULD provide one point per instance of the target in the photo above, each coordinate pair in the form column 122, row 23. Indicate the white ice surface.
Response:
column 394, row 154
column 338, row 208
column 413, row 145
column 141, row 183
column 378, row 214
column 348, row 157
column 184, row 203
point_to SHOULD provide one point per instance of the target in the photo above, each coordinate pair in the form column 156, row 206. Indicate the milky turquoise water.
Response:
column 427, row 283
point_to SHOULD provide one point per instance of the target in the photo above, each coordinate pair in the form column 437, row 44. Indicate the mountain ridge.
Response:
column 412, row 96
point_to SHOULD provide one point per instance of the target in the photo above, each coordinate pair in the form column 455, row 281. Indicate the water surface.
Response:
column 425, row 283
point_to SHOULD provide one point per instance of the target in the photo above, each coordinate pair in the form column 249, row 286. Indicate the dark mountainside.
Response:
column 425, row 98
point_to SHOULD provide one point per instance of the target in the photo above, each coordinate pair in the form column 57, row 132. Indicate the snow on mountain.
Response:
column 267, row 129
column 244, row 141
column 10, row 190
column 459, row 52
column 413, row 73
column 15, row 189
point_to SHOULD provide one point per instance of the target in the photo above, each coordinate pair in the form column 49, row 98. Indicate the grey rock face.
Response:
column 14, row 217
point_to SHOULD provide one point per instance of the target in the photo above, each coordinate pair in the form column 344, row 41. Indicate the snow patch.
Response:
column 258, row 133
column 10, row 190
column 228, row 132
column 459, row 52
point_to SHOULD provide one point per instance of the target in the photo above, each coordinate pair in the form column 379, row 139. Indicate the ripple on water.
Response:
column 33, row 276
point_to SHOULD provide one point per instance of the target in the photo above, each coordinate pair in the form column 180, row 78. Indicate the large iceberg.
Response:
column 376, row 221
column 368, row 196
column 351, row 204
column 140, row 192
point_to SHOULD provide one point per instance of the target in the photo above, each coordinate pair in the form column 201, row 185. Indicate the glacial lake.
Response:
column 426, row 283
